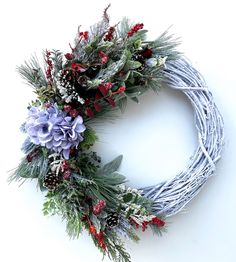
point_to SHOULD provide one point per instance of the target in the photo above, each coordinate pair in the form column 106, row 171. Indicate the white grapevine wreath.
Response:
column 107, row 66
column 171, row 196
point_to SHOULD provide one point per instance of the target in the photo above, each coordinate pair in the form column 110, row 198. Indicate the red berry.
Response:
column 67, row 175
column 97, row 209
column 65, row 165
column 86, row 35
column 48, row 53
column 135, row 29
column 121, row 90
column 77, row 67
column 103, row 57
column 130, row 33
column 102, row 203
column 74, row 113
column 92, row 230
column 144, row 225
column 158, row 222
column 109, row 35
column 69, row 56
column 104, row 60
column 108, row 85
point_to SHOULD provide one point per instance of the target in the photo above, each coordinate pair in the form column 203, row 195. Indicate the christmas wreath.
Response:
column 107, row 66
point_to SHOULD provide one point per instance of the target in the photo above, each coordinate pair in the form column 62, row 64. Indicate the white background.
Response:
column 150, row 135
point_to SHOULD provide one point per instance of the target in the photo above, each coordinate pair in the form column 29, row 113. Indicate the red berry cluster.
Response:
column 72, row 112
column 49, row 67
column 65, row 168
column 97, row 209
column 69, row 56
column 103, row 57
column 84, row 35
column 99, row 236
column 135, row 29
column 155, row 221
column 109, row 35
column 158, row 222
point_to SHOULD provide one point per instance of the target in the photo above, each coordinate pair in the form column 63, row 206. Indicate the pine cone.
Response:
column 51, row 181
column 112, row 219
column 75, row 84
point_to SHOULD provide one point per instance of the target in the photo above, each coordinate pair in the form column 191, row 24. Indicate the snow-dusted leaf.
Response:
column 130, row 65
column 111, row 167
column 107, row 73
column 122, row 103
column 95, row 222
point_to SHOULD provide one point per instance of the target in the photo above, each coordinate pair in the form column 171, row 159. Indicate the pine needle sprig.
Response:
column 115, row 248
column 165, row 46
column 57, row 58
column 32, row 73
column 123, row 28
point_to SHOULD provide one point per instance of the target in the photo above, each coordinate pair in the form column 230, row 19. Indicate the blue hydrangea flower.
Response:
column 53, row 129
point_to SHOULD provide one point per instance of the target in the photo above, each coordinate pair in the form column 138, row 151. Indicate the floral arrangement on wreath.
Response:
column 107, row 66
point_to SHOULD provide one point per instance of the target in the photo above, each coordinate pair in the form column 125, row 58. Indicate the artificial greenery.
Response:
column 107, row 67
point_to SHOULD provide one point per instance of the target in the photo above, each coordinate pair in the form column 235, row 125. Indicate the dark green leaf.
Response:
column 90, row 138
column 128, row 197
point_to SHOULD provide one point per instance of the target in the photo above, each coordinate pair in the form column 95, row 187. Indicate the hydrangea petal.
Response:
column 52, row 128
column 66, row 153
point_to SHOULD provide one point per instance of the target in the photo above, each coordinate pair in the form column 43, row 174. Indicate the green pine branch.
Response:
column 165, row 46
column 111, row 70
column 90, row 138
column 37, row 168
column 123, row 28
column 115, row 248
column 57, row 59
column 32, row 73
